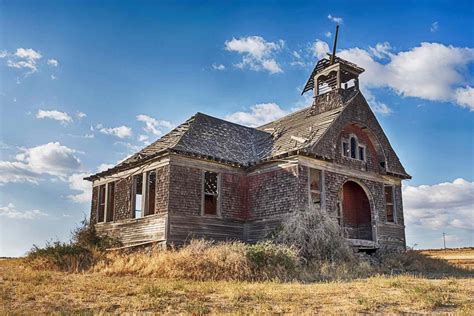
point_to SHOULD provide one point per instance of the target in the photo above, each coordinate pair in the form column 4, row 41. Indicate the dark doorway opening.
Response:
column 357, row 219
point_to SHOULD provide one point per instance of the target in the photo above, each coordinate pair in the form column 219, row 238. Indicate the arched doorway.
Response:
column 356, row 214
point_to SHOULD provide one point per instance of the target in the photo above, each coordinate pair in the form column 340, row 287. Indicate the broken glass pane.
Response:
column 210, row 182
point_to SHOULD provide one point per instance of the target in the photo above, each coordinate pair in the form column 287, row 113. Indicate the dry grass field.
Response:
column 462, row 257
column 26, row 291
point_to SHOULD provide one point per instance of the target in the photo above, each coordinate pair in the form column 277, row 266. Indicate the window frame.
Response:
column 392, row 204
column 134, row 195
column 146, row 194
column 203, row 194
column 321, row 188
column 99, row 203
column 108, row 202
column 358, row 145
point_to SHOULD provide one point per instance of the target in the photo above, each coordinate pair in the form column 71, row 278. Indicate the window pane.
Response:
column 388, row 194
column 137, row 208
column 316, row 198
column 151, row 192
column 100, row 211
column 361, row 153
column 210, row 182
column 315, row 180
column 110, row 202
column 345, row 149
column 353, row 147
column 210, row 204
column 389, row 210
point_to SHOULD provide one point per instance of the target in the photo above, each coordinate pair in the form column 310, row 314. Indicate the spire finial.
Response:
column 333, row 56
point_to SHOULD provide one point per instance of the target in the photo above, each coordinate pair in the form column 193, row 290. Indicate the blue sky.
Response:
column 84, row 84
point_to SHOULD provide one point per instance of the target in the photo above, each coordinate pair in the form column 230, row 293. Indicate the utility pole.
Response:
column 444, row 240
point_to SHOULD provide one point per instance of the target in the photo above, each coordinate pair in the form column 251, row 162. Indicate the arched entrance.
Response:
column 356, row 214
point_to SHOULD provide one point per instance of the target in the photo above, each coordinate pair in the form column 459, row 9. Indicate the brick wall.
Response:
column 234, row 195
column 94, row 202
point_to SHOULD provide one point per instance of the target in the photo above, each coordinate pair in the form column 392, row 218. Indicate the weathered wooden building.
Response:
column 215, row 179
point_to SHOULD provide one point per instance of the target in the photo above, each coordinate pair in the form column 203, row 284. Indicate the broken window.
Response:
column 389, row 204
column 361, row 153
column 150, row 192
column 101, row 204
column 315, row 186
column 137, row 198
column 345, row 149
column 110, row 202
column 353, row 147
column 211, row 193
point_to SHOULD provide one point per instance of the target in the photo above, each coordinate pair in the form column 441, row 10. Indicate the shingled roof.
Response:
column 211, row 138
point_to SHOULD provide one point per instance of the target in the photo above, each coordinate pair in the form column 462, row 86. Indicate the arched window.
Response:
column 353, row 147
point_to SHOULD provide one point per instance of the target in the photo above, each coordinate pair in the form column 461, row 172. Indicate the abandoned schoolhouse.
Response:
column 210, row 178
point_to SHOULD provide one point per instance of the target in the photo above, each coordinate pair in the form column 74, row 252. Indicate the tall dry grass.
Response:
column 204, row 260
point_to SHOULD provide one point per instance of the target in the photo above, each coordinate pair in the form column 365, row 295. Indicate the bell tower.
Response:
column 333, row 74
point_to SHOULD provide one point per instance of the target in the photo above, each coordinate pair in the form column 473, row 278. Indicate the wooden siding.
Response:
column 136, row 231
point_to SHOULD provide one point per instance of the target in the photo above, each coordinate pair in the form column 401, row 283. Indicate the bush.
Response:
column 84, row 250
column 316, row 235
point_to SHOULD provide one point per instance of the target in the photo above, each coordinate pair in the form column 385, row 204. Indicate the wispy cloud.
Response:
column 257, row 53
column 24, row 58
column 335, row 19
column 53, row 62
column 218, row 67
column 62, row 117
column 119, row 131
column 434, row 27
column 257, row 115
column 10, row 211
column 154, row 126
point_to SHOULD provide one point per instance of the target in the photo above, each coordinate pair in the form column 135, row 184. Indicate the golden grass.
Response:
column 461, row 257
column 26, row 291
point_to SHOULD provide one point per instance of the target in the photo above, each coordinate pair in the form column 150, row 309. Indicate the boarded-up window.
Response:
column 110, row 202
column 211, row 193
column 315, row 186
column 150, row 193
column 101, row 206
column 137, row 199
column 389, row 204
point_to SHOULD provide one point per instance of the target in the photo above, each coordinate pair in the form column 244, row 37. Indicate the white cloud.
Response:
column 24, row 58
column 335, row 19
column 440, row 206
column 119, row 131
column 465, row 97
column 53, row 77
column 81, row 115
column 17, row 172
column 258, row 54
column 218, row 67
column 76, row 182
column 142, row 138
column 434, row 27
column 52, row 158
column 63, row 117
column 328, row 34
column 10, row 211
column 153, row 125
column 104, row 166
column 53, row 62
column 319, row 49
column 258, row 115
column 431, row 71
